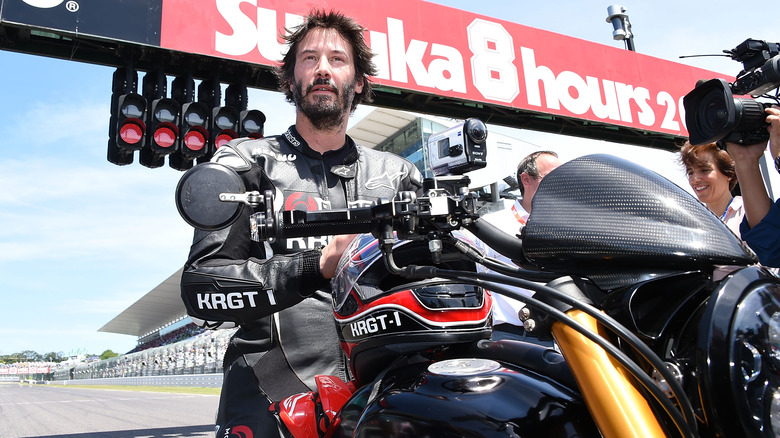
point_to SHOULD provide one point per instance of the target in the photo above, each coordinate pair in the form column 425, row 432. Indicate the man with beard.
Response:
column 279, row 293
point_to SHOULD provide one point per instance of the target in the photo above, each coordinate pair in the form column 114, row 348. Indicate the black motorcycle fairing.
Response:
column 650, row 308
column 626, row 222
column 415, row 401
column 534, row 357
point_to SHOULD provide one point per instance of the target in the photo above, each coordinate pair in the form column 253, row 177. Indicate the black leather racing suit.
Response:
column 275, row 292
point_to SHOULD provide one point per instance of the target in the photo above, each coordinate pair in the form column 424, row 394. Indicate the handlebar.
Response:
column 211, row 196
column 268, row 225
column 408, row 215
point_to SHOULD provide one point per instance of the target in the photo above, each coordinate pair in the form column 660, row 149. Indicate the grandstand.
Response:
column 168, row 342
column 199, row 354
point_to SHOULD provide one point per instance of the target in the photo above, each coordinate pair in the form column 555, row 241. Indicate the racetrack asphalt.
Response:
column 69, row 412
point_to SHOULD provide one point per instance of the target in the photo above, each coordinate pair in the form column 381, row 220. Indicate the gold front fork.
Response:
column 615, row 403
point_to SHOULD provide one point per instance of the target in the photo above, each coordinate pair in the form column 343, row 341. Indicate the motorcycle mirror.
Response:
column 198, row 200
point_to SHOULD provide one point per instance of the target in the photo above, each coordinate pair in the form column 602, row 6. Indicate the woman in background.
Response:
column 712, row 177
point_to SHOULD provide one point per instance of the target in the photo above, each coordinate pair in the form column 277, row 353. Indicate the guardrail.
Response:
column 212, row 380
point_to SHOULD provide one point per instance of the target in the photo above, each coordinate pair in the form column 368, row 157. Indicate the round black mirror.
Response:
column 197, row 196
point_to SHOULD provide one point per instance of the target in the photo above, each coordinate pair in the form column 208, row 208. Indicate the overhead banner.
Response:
column 420, row 46
column 136, row 21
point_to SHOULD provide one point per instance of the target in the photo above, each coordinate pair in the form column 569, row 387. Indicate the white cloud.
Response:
column 83, row 211
column 75, row 126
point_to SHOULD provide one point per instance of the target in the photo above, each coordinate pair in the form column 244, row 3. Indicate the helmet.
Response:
column 381, row 316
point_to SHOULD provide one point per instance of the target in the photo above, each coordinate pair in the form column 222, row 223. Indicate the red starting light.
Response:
column 162, row 131
column 164, row 136
column 222, row 138
column 195, row 140
column 131, row 132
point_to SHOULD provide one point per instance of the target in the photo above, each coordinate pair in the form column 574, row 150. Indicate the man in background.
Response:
column 530, row 172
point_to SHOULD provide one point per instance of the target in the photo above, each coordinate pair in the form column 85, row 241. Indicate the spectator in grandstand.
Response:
column 279, row 293
column 712, row 177
column 179, row 334
column 760, row 228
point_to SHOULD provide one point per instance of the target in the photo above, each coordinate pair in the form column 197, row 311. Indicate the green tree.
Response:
column 108, row 354
column 9, row 358
column 30, row 356
column 53, row 357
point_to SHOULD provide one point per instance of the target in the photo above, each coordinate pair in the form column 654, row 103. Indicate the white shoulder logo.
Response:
column 257, row 152
column 384, row 180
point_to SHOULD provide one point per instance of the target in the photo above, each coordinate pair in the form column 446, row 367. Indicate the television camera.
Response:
column 713, row 114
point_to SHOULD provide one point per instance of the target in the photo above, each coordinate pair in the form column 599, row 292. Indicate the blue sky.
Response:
column 81, row 239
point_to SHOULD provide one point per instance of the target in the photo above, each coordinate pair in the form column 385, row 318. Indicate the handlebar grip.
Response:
column 322, row 228
column 497, row 239
column 300, row 223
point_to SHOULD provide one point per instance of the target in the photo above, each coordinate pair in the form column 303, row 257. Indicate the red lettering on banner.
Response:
column 434, row 49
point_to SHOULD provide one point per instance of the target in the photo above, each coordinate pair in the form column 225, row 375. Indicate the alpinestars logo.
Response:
column 387, row 180
column 291, row 138
column 213, row 325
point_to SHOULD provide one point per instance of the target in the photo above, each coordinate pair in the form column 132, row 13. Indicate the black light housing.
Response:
column 124, row 82
column 194, row 127
column 130, row 129
column 162, row 132
column 252, row 124
column 164, row 125
column 224, row 126
column 194, row 135
column 159, row 124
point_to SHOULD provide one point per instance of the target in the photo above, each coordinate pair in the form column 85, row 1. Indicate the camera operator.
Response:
column 760, row 228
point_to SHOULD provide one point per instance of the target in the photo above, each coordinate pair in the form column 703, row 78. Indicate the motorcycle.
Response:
column 663, row 323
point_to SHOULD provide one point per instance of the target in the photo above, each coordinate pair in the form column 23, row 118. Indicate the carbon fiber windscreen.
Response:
column 600, row 214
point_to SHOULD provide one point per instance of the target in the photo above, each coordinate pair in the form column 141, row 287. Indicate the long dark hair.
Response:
column 350, row 30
